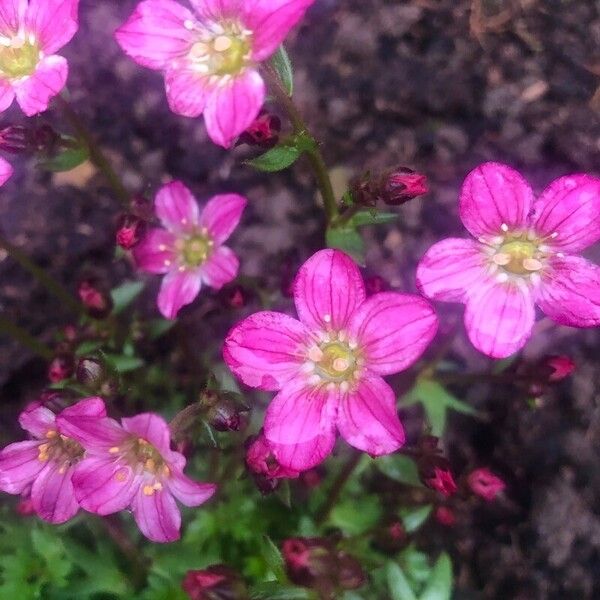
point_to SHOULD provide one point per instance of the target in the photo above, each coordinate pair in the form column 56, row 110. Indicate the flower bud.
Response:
column 224, row 410
column 560, row 367
column 311, row 478
column 93, row 374
column 25, row 507
column 376, row 284
column 61, row 367
column 14, row 139
column 392, row 537
column 217, row 582
column 235, row 296
column 95, row 297
column 350, row 574
column 403, row 185
column 437, row 476
column 130, row 231
column 445, row 516
column 37, row 139
column 263, row 465
column 485, row 484
column 141, row 207
column 264, row 131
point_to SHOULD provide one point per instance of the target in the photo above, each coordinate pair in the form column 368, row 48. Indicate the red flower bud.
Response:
column 216, row 582
column 376, row 284
column 264, row 131
column 403, row 185
column 14, row 139
column 130, row 231
column 264, row 466
column 441, row 480
column 95, row 297
column 485, row 484
column 445, row 516
column 561, row 367
column 61, row 367
column 25, row 507
column 40, row 139
column 311, row 478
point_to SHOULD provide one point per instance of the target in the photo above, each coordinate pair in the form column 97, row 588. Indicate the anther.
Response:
column 501, row 258
column 504, row 227
column 532, row 264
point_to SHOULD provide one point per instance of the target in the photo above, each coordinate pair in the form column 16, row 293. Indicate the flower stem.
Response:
column 337, row 486
column 97, row 157
column 44, row 278
column 313, row 151
column 24, row 338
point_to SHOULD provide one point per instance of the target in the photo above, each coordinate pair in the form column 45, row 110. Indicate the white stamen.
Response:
column 560, row 254
column 315, row 354
column 344, row 386
column 352, row 344
column 327, row 318
column 504, row 227
column 502, row 277
column 554, row 235
column 308, row 367
column 162, row 247
column 314, row 379
column 167, row 263
column 188, row 24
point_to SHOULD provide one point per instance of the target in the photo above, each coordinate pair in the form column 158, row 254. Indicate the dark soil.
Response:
column 438, row 85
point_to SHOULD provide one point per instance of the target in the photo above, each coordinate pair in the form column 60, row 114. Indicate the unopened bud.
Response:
column 376, row 284
column 445, row 516
column 485, row 484
column 403, row 185
column 224, row 411
column 311, row 478
column 130, row 231
column 60, row 368
column 25, row 507
column 438, row 477
column 14, row 139
column 235, row 296
column 37, row 139
column 264, row 131
column 95, row 297
column 350, row 574
column 560, row 367
column 217, row 582
column 263, row 465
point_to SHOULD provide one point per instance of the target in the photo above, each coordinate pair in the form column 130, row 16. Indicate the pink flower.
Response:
column 328, row 366
column 189, row 250
column 132, row 465
column 210, row 56
column 260, row 460
column 523, row 255
column 6, row 171
column 42, row 467
column 485, row 484
column 30, row 34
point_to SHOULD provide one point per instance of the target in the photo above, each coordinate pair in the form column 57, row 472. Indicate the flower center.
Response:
column 224, row 51
column 144, row 453
column 194, row 250
column 19, row 59
column 336, row 363
column 60, row 449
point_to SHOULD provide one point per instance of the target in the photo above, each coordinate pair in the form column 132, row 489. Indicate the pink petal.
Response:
column 328, row 289
column 157, row 515
column 178, row 289
column 220, row 268
column 300, row 424
column 52, row 494
column 270, row 21
column 155, row 34
column 493, row 194
column 266, row 350
column 52, row 22
column 155, row 252
column 186, row 91
column 37, row 420
column 49, row 78
column 368, row 419
column 569, row 207
column 152, row 428
column 103, row 485
column 450, row 268
column 96, row 435
column 215, row 10
column 7, row 94
column 222, row 215
column 499, row 318
column 392, row 330
column 176, row 207
column 570, row 292
column 19, row 466
column 12, row 15
column 233, row 106
column 188, row 492
column 6, row 170
column 88, row 407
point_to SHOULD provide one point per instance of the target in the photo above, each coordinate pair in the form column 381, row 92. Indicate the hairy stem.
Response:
column 97, row 157
column 314, row 155
column 10, row 328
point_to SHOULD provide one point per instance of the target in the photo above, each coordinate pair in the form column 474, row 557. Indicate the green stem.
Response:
column 44, row 278
column 97, row 157
column 314, row 155
column 25, row 339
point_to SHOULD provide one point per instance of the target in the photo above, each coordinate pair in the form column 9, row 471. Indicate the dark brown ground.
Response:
column 439, row 85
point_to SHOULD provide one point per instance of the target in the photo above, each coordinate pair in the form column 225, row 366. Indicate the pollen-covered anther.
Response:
column 114, row 450
column 501, row 258
column 148, row 490
column 341, row 364
column 222, row 43
column 532, row 264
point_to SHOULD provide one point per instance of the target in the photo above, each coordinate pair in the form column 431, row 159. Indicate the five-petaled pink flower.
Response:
column 190, row 247
column 43, row 467
column 210, row 56
column 30, row 34
column 6, row 171
column 132, row 465
column 328, row 366
column 523, row 255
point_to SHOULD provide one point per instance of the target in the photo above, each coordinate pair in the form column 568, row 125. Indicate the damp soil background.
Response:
column 438, row 85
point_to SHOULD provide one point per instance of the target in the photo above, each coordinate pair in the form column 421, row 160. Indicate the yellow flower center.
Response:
column 19, row 59
column 337, row 362
column 193, row 251
column 60, row 449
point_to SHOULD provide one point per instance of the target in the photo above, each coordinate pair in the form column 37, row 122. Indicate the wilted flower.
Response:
column 217, row 582
column 189, row 250
column 31, row 34
column 485, row 484
column 210, row 56
column 263, row 132
column 328, row 366
column 130, row 230
column 261, row 461
column 61, row 367
column 6, row 171
column 523, row 255
column 43, row 467
column 95, row 296
column 135, row 466
column 445, row 516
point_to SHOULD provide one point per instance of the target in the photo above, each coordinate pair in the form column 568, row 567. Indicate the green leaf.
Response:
column 348, row 240
column 400, row 468
column 356, row 515
column 413, row 518
column 158, row 327
column 415, row 564
column 272, row 590
column 283, row 65
column 125, row 294
column 368, row 217
column 398, row 585
column 122, row 363
column 276, row 159
column 66, row 161
column 439, row 586
column 273, row 558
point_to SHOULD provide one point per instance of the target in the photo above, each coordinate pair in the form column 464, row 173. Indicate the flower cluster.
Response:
column 82, row 458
